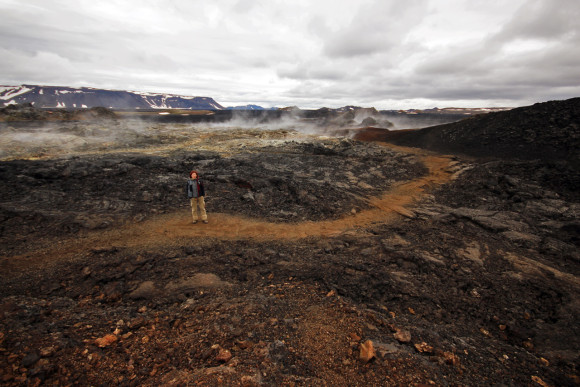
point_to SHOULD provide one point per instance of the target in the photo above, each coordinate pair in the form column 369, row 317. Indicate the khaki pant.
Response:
column 201, row 203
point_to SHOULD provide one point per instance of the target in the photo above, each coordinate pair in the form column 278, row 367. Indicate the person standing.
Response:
column 196, row 193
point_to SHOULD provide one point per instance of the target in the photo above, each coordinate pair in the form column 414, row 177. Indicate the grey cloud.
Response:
column 352, row 44
column 542, row 19
column 377, row 27
column 314, row 71
column 312, row 54
column 497, row 69
column 245, row 6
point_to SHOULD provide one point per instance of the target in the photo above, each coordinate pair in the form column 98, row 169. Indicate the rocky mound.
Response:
column 27, row 112
column 548, row 131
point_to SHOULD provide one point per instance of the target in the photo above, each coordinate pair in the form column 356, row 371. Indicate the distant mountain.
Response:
column 249, row 107
column 87, row 97
column 449, row 111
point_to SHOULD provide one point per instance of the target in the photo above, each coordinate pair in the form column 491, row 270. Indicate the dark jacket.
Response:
column 194, row 188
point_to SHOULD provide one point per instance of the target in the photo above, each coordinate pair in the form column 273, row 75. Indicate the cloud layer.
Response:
column 382, row 53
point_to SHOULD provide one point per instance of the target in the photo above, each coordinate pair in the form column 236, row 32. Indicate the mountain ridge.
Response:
column 88, row 97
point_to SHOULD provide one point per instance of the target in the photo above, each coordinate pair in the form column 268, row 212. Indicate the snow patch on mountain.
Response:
column 12, row 92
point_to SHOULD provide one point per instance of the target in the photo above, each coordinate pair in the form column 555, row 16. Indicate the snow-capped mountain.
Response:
column 87, row 97
column 245, row 107
column 250, row 107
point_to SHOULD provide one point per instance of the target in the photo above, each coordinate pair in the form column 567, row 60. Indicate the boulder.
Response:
column 145, row 290
column 199, row 280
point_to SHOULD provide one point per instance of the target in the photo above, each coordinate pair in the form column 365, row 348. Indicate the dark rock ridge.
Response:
column 322, row 118
column 87, row 97
column 26, row 112
column 549, row 131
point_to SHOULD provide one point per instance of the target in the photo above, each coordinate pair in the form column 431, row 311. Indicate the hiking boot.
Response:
column 205, row 221
column 195, row 221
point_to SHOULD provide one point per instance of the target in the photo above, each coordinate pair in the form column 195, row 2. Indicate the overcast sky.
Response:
column 389, row 54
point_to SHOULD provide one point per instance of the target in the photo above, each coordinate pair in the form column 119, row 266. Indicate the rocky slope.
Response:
column 549, row 130
column 27, row 112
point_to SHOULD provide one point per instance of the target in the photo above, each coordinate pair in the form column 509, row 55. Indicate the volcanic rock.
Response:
column 546, row 131
column 485, row 271
column 200, row 280
column 367, row 351
column 224, row 355
column 30, row 359
column 402, row 336
column 106, row 340
column 424, row 347
column 145, row 290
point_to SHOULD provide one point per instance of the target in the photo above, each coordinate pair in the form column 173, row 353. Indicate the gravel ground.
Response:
column 103, row 281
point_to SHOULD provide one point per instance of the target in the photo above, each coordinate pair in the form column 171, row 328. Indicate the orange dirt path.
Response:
column 169, row 229
column 388, row 207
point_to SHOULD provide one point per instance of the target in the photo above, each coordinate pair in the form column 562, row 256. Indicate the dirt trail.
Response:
column 168, row 229
column 390, row 206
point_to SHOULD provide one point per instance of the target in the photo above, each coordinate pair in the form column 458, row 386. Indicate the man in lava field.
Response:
column 196, row 193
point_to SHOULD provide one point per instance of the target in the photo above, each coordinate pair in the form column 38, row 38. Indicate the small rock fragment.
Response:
column 47, row 351
column 402, row 336
column 244, row 344
column 423, row 347
column 106, row 340
column 528, row 345
column 538, row 380
column 451, row 358
column 136, row 323
column 367, row 351
column 224, row 355
column 354, row 337
column 30, row 359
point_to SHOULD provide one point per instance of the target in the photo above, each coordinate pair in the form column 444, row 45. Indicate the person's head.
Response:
column 193, row 174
